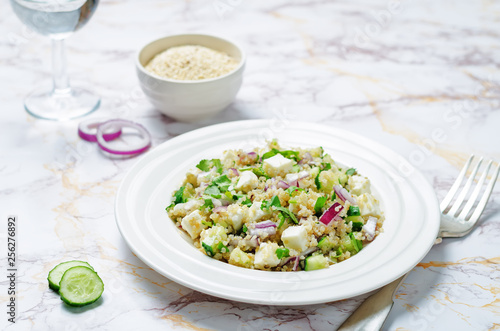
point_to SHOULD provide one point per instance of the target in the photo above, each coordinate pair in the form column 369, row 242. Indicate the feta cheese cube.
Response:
column 236, row 215
column 359, row 185
column 266, row 256
column 247, row 181
column 255, row 213
column 368, row 205
column 277, row 165
column 192, row 223
column 295, row 237
column 188, row 206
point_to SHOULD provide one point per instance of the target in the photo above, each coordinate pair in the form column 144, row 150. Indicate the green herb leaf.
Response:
column 320, row 202
column 179, row 196
column 259, row 172
column 208, row 249
column 334, row 196
column 275, row 201
column 247, row 202
column 326, row 166
column 292, row 189
column 295, row 168
column 244, row 229
column 270, row 154
column 288, row 154
column 218, row 165
column 288, row 213
column 282, row 252
column 223, row 182
column 282, row 220
column 317, row 182
column 209, row 224
column 208, row 204
column 204, row 165
column 263, row 205
column 353, row 211
column 213, row 190
column 350, row 172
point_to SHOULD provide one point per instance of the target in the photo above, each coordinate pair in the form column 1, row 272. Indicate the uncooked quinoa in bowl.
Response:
column 191, row 62
column 277, row 209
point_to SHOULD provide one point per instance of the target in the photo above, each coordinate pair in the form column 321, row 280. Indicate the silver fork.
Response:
column 373, row 312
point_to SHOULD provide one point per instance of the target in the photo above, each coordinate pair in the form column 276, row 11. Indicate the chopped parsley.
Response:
column 178, row 197
column 223, row 182
column 206, row 165
column 282, row 252
column 282, row 220
column 294, row 155
column 275, row 202
column 259, row 172
column 244, row 229
column 213, row 190
column 292, row 189
column 350, row 172
column 209, row 224
column 247, row 202
column 288, row 213
column 208, row 204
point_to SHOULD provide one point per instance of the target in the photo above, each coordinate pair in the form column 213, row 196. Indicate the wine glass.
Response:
column 57, row 19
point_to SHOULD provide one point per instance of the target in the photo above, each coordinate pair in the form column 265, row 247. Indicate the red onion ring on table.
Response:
column 140, row 147
column 87, row 130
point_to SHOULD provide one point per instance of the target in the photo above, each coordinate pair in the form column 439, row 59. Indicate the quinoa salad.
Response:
column 277, row 209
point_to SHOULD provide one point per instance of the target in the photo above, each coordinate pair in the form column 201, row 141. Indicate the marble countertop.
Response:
column 395, row 72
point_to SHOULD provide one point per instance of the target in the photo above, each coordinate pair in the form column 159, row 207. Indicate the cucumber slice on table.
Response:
column 80, row 286
column 56, row 274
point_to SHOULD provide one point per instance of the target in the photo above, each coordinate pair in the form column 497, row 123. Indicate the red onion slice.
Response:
column 134, row 149
column 268, row 227
column 344, row 195
column 296, row 264
column 370, row 227
column 307, row 158
column 220, row 209
column 87, row 130
column 283, row 185
column 234, row 171
column 265, row 224
column 331, row 213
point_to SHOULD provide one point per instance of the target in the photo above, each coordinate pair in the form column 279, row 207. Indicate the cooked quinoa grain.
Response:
column 277, row 209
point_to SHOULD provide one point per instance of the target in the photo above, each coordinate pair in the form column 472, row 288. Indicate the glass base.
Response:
column 61, row 105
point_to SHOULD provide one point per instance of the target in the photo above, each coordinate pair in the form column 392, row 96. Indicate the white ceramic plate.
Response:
column 410, row 206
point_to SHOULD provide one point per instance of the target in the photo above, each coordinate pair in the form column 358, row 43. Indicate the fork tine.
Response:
column 465, row 190
column 475, row 194
column 446, row 201
column 484, row 199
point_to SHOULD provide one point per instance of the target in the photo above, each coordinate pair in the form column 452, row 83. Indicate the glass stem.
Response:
column 59, row 74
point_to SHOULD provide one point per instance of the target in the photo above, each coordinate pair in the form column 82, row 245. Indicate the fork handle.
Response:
column 373, row 312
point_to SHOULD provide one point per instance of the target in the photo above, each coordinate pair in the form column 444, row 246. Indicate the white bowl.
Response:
column 190, row 100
